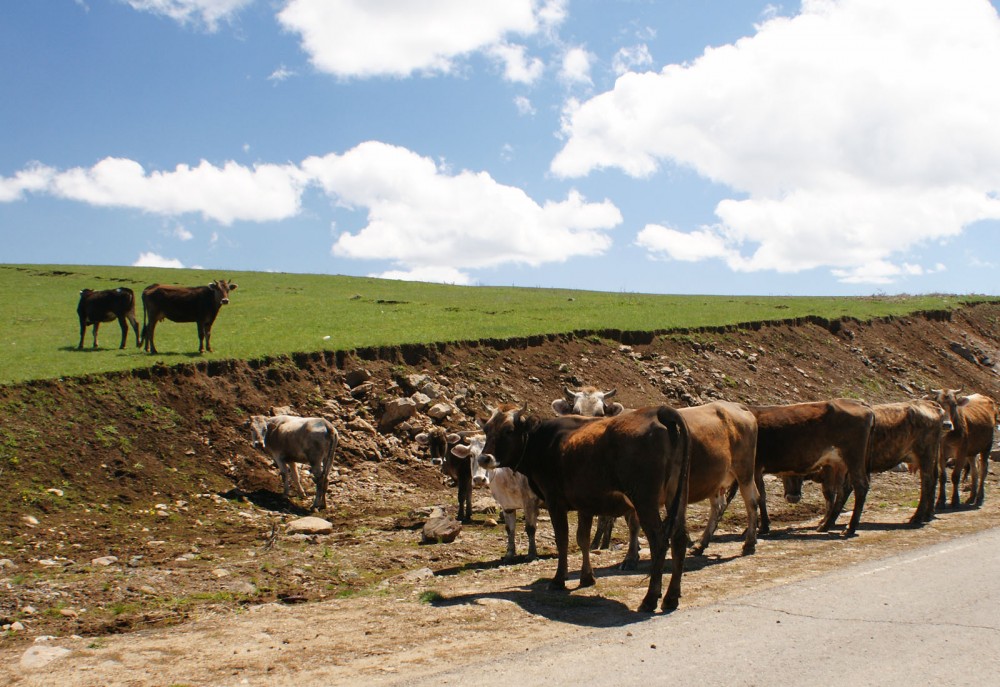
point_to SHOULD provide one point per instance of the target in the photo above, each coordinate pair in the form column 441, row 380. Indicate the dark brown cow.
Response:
column 974, row 418
column 723, row 446
column 105, row 306
column 802, row 438
column 628, row 464
column 458, row 468
column 907, row 432
column 198, row 304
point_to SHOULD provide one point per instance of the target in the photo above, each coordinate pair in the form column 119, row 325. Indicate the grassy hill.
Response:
column 273, row 314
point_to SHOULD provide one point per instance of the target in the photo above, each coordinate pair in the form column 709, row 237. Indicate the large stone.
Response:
column 310, row 525
column 439, row 411
column 40, row 655
column 395, row 412
column 357, row 377
column 440, row 529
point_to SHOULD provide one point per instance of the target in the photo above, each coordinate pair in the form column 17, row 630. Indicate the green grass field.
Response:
column 272, row 314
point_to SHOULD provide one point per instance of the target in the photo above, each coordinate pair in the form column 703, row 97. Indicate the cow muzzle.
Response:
column 437, row 461
column 793, row 498
column 478, row 481
column 947, row 425
column 488, row 462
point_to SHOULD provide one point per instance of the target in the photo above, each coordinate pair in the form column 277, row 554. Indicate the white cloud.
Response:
column 631, row 58
column 679, row 245
column 154, row 260
column 421, row 216
column 182, row 233
column 851, row 133
column 523, row 105
column 441, row 275
column 224, row 194
column 35, row 178
column 207, row 12
column 360, row 38
column 280, row 74
column 518, row 68
column 576, row 66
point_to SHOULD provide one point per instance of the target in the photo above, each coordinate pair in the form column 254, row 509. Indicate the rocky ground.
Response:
column 139, row 518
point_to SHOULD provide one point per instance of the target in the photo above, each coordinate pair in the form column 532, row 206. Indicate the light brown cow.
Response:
column 908, row 432
column 292, row 439
column 974, row 418
column 627, row 464
column 589, row 401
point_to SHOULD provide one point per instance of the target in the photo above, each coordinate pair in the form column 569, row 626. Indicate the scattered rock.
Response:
column 395, row 412
column 357, row 377
column 30, row 520
column 41, row 655
column 440, row 529
column 310, row 525
column 104, row 560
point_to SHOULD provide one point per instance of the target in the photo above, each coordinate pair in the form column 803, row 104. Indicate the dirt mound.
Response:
column 153, row 469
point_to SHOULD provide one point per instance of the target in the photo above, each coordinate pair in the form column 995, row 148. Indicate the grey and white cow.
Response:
column 510, row 490
column 292, row 439
column 589, row 401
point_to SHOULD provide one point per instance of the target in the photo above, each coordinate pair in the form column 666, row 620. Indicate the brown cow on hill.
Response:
column 800, row 439
column 909, row 432
column 198, row 304
column 105, row 306
column 623, row 465
column 974, row 418
column 458, row 468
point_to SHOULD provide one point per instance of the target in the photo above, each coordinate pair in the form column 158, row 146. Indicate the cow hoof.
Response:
column 629, row 564
column 670, row 604
column 587, row 582
column 749, row 549
column 557, row 586
column 647, row 606
column 697, row 551
column 849, row 534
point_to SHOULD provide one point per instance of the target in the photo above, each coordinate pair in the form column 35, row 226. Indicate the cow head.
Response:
column 221, row 290
column 258, row 432
column 949, row 400
column 507, row 433
column 588, row 401
column 437, row 440
column 472, row 451
column 933, row 409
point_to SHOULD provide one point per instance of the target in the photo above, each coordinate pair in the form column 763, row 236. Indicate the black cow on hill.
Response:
column 105, row 306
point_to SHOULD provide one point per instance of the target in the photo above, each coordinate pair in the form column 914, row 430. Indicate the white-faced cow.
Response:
column 198, row 304
column 908, row 432
column 105, row 306
column 589, row 401
column 723, row 446
column 510, row 490
column 292, row 439
column 603, row 466
column 437, row 440
column 800, row 439
column 974, row 419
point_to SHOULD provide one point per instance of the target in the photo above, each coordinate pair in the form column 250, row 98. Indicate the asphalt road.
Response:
column 929, row 616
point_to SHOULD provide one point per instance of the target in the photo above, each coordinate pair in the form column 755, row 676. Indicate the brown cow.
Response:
column 723, row 446
column 800, row 439
column 105, row 306
column 290, row 439
column 458, row 468
column 974, row 418
column 627, row 464
column 907, row 432
column 198, row 304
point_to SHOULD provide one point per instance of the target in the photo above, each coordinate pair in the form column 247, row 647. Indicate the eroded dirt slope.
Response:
column 154, row 469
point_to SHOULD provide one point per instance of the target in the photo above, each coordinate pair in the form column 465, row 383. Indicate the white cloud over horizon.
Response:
column 207, row 12
column 848, row 134
column 155, row 260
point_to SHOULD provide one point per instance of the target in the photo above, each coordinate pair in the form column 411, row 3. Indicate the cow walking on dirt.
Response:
column 199, row 304
column 106, row 306
column 292, row 439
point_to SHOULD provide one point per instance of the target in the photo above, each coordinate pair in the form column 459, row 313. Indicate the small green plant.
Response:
column 431, row 597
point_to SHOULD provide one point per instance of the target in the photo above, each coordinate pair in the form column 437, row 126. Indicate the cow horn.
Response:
column 570, row 395
column 609, row 394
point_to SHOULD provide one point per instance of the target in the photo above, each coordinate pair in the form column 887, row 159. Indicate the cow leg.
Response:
column 201, row 338
column 716, row 503
column 293, row 470
column 942, row 479
column 860, row 483
column 147, row 337
column 584, row 522
column 560, row 528
column 631, row 561
column 925, row 507
column 602, row 534
column 96, row 326
column 319, row 478
column 531, row 525
column 465, row 498
column 836, row 490
column 973, row 470
column 655, row 532
column 984, row 470
column 208, row 337
column 510, row 524
column 121, row 323
column 83, row 332
column 765, row 522
column 135, row 327
column 282, row 466
column 956, row 478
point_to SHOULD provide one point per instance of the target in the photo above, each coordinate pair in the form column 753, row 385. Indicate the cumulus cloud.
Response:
column 224, row 194
column 576, row 64
column 359, row 38
column 631, row 58
column 440, row 275
column 420, row 216
column 206, row 12
column 849, row 133
column 154, row 260
column 182, row 233
column 518, row 67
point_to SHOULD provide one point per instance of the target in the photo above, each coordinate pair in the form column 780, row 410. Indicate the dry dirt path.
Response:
column 413, row 630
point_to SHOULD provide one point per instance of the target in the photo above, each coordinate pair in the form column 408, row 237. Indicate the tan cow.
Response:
column 974, row 419
column 292, row 439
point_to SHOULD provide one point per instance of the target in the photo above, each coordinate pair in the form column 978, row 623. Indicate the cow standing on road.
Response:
column 623, row 465
column 974, row 419
column 105, row 306
column 199, row 304
column 292, row 439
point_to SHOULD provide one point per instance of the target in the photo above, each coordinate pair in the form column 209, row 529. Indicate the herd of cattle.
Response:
column 601, row 460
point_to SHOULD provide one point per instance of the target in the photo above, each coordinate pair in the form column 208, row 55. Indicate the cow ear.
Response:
column 213, row 285
column 613, row 409
column 461, row 451
column 233, row 287
column 570, row 395
column 422, row 438
column 609, row 394
column 453, row 438
column 561, row 407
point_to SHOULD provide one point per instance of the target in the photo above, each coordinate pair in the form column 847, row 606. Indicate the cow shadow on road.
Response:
column 559, row 606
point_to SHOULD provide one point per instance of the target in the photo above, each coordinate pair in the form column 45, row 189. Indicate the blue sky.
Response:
column 841, row 147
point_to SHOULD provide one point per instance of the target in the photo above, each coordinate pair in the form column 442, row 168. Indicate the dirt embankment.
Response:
column 153, row 469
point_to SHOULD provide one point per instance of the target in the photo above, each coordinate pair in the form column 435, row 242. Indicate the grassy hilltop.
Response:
column 275, row 313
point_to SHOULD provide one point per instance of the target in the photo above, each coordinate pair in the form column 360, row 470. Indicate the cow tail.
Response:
column 681, row 444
